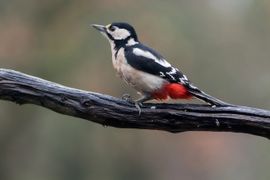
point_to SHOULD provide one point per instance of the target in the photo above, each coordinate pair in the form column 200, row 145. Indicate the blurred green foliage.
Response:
column 222, row 45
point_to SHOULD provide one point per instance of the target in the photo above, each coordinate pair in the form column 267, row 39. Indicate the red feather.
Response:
column 172, row 90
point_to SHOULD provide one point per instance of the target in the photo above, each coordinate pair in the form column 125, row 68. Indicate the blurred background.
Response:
column 223, row 46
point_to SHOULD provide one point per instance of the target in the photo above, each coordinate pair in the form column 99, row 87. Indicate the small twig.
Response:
column 110, row 111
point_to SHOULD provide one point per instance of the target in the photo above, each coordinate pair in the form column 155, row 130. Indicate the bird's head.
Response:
column 118, row 33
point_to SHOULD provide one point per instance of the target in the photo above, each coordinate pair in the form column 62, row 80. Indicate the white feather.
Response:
column 173, row 71
column 131, row 42
column 119, row 34
column 141, row 81
column 147, row 54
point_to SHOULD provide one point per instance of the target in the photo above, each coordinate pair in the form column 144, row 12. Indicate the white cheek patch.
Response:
column 120, row 34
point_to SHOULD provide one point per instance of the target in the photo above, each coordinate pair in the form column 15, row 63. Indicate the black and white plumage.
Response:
column 148, row 60
column 146, row 70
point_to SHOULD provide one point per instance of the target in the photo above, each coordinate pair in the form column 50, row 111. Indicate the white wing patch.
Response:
column 184, row 79
column 147, row 54
column 161, row 74
column 171, row 73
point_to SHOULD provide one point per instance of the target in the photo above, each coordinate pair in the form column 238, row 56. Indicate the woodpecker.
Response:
column 146, row 70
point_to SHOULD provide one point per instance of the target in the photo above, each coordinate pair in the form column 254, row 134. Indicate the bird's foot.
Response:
column 138, row 106
column 127, row 97
column 138, row 103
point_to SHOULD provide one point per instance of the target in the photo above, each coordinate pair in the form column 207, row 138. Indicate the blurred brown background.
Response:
column 222, row 45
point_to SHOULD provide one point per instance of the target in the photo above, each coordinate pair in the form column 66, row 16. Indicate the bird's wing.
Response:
column 147, row 60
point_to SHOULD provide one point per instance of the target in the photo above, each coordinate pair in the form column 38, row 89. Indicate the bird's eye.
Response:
column 112, row 28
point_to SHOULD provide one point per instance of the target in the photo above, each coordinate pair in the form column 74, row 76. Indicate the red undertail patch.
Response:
column 172, row 90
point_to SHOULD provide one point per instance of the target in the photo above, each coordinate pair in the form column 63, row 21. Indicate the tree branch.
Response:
column 110, row 111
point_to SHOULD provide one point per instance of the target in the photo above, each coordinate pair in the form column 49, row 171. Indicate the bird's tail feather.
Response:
column 205, row 97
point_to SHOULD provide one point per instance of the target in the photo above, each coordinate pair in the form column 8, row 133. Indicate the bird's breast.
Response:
column 141, row 81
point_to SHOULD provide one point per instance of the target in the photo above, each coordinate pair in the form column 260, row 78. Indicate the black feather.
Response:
column 150, row 66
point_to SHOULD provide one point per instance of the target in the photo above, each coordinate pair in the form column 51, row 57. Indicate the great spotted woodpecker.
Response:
column 146, row 70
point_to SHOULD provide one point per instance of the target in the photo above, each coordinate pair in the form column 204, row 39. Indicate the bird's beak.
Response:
column 100, row 28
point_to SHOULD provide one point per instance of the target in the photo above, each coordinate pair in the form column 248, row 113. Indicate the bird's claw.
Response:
column 138, row 106
column 127, row 98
